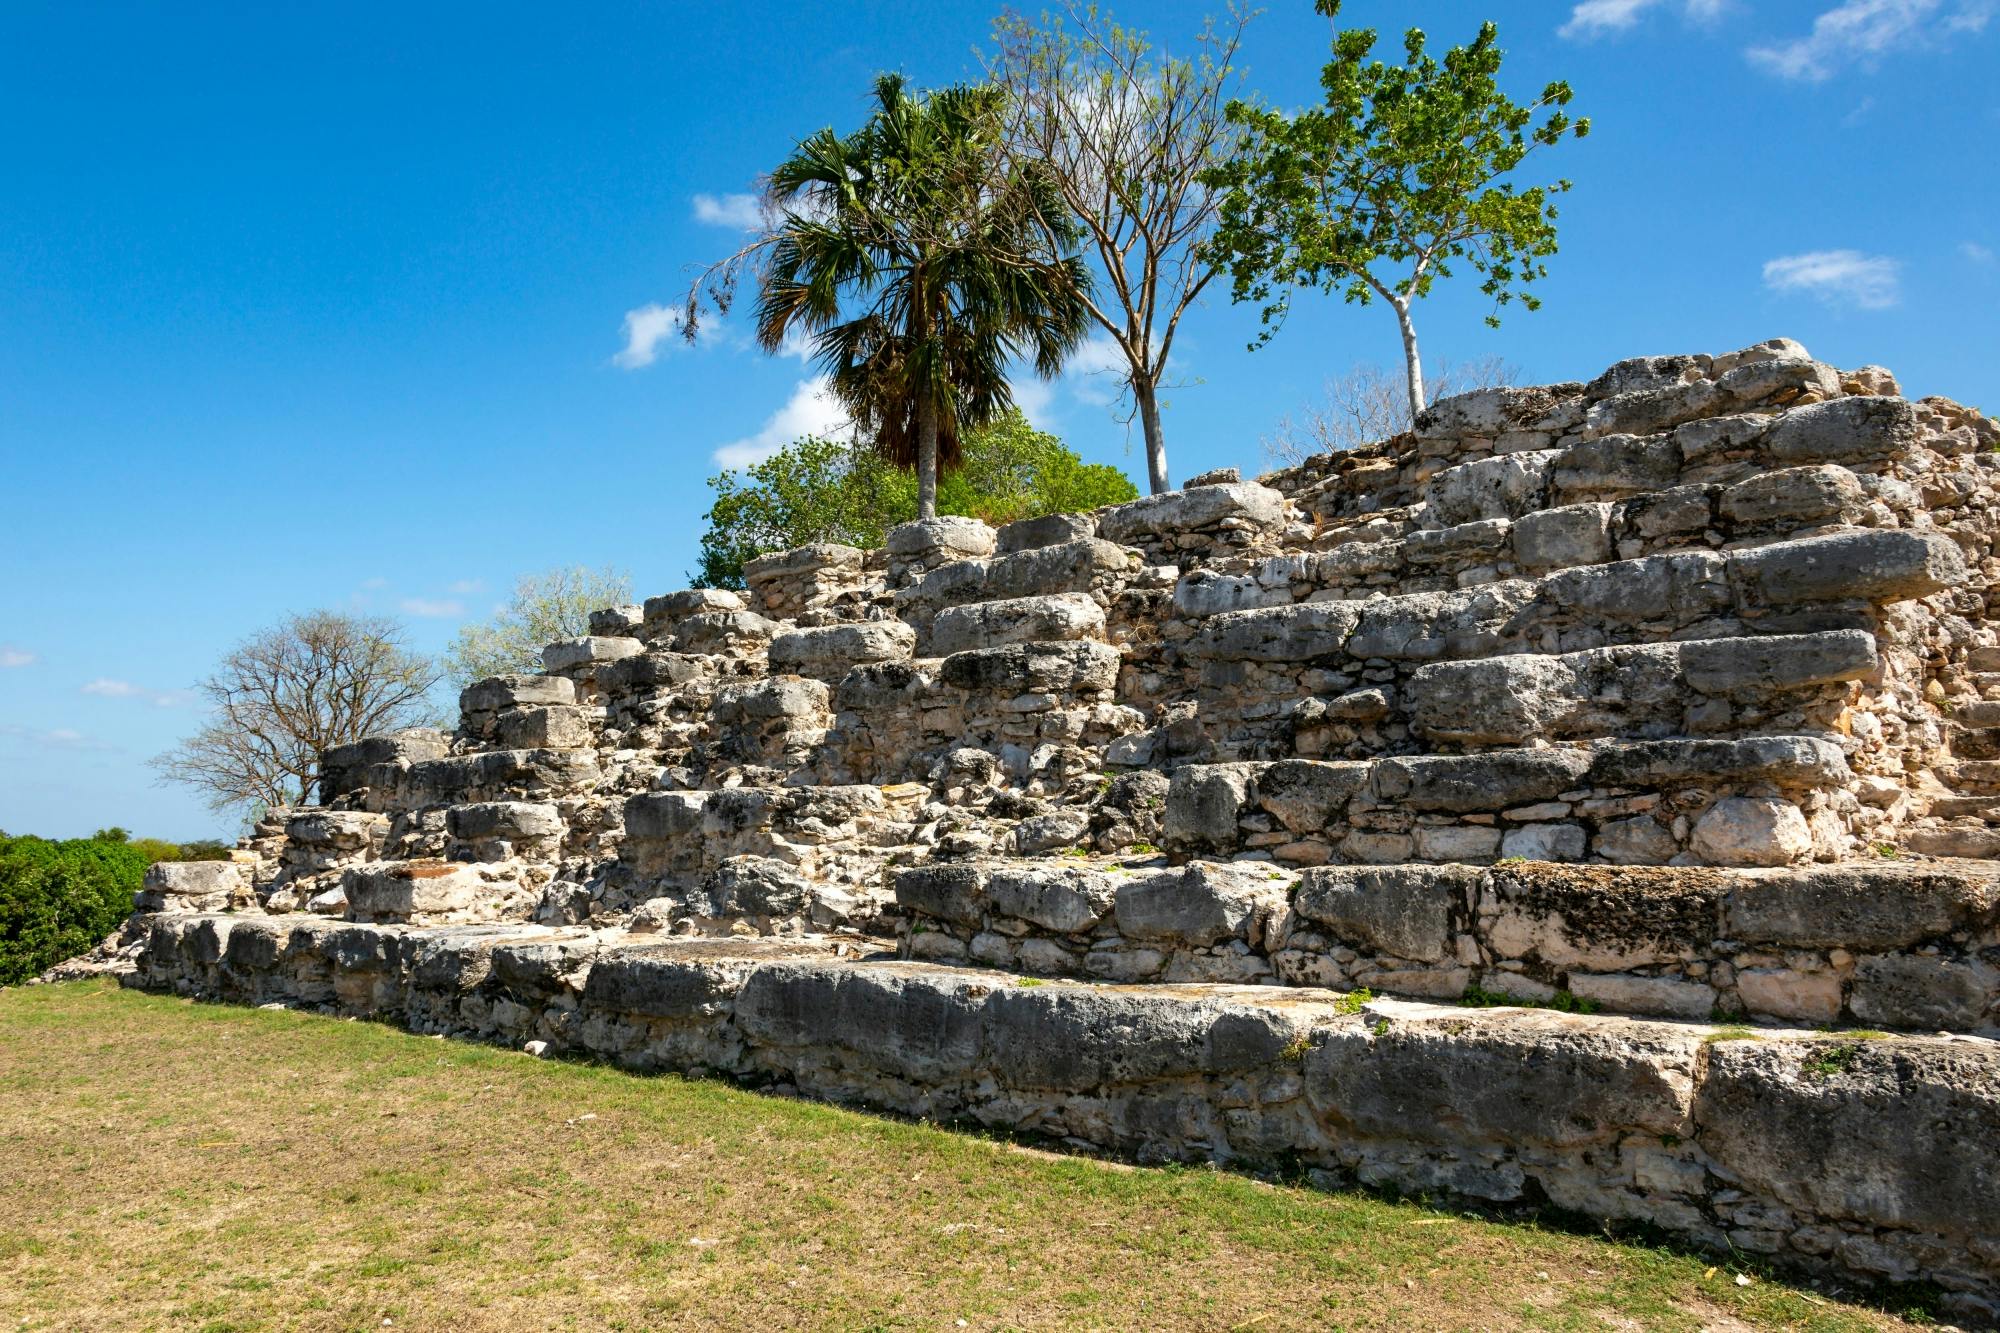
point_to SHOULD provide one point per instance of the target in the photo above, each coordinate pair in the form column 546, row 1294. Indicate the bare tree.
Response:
column 279, row 698
column 1369, row 403
column 553, row 604
column 1127, row 137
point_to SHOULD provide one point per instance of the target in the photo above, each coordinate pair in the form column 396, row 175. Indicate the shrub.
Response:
column 58, row 899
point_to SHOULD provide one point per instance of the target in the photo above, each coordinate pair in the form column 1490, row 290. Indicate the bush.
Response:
column 58, row 899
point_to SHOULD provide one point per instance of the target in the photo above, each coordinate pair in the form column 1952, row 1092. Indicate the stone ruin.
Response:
column 1580, row 800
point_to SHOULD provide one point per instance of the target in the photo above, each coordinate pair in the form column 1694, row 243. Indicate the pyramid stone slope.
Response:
column 1667, row 701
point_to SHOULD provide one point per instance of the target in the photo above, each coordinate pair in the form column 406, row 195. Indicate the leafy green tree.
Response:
column 1392, row 184
column 921, row 263
column 819, row 490
column 58, row 899
column 553, row 604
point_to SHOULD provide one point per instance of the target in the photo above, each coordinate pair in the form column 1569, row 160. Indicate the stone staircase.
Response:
column 1500, row 810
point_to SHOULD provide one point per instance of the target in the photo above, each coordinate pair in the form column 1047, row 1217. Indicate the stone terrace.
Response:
column 1656, row 716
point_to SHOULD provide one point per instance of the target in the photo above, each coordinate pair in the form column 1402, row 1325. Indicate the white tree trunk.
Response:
column 927, row 459
column 1412, row 364
column 1156, row 439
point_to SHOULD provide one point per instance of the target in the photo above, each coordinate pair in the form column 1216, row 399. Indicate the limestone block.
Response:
column 801, row 563
column 1027, row 534
column 556, row 728
column 947, row 537
column 571, row 655
column 336, row 830
column 684, row 981
column 723, row 633
column 1788, row 761
column 1457, row 1079
column 1041, row 668
column 1305, row 632
column 1637, row 841
column 1842, row 430
column 755, row 887
column 617, row 621
column 827, row 652
column 948, row 890
column 496, row 693
column 1490, row 411
column 1644, row 412
column 1889, row 1129
column 1203, row 805
column 1477, row 542
column 1751, row 831
column 1066, row 899
column 1306, row 795
column 1638, row 373
column 1860, row 907
column 650, row 671
column 1563, row 537
column 904, row 1023
column 1049, row 832
column 1473, row 844
column 1544, row 842
column 1204, row 593
column 1505, row 486
column 1046, row 619
column 377, row 761
column 401, row 889
column 1496, row 780
column 512, row 820
column 1880, row 566
column 1196, row 904
column 1404, row 911
column 1175, row 512
column 773, row 699
column 1420, row 627
column 1825, row 493
column 1683, row 585
column 1914, row 991
column 1752, row 667
column 662, row 613
column 1668, row 997
column 189, row 886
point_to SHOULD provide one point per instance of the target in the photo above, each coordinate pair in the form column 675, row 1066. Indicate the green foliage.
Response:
column 58, row 899
column 1830, row 1060
column 1354, row 1001
column 547, row 606
column 921, row 263
column 1478, row 997
column 818, row 490
column 1392, row 183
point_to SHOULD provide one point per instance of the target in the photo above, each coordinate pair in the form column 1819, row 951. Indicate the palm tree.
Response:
column 922, row 265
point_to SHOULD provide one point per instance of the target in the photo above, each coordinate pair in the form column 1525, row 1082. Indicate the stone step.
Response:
column 1958, row 838
column 1567, row 803
column 1887, row 944
column 1688, row 1126
column 1973, row 777
column 1953, row 807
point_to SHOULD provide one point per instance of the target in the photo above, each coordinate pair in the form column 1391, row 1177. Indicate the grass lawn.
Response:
column 179, row 1166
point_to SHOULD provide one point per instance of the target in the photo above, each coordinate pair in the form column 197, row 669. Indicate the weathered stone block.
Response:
column 1042, row 668
column 1505, row 486
column 828, row 652
column 1049, row 619
column 1196, row 904
column 1844, row 430
column 1203, row 805
column 1881, row 566
column 1028, row 534
column 572, row 655
column 1175, row 512
column 1751, row 831
column 1404, row 911
column 1563, row 537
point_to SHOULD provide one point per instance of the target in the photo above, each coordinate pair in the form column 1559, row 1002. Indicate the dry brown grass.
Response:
column 180, row 1166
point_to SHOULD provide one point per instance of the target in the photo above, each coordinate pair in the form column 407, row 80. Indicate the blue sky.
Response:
column 347, row 306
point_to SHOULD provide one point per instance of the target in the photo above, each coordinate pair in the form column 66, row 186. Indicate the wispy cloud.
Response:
column 1599, row 18
column 432, row 608
column 1860, row 32
column 105, row 687
column 645, row 329
column 1096, row 371
column 466, row 587
column 10, row 656
column 741, row 212
column 811, row 410
column 57, row 738
column 1837, row 277
column 1972, row 250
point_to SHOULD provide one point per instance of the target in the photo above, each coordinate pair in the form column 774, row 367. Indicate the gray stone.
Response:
column 1932, row 993
column 1027, row 534
column 1753, row 667
column 1859, row 907
column 1066, row 899
column 801, row 562
column 1615, row 466
column 1788, row 761
column 1563, row 537
column 556, row 728
column 516, row 691
column 568, row 655
column 1404, row 911
column 1306, row 795
column 828, row 652
column 1206, row 593
column 1037, row 668
column 1544, row 842
column 1638, row 373
column 1196, row 904
column 1844, row 430
column 1181, row 511
column 504, row 819
column 616, row 621
column 949, row 535
column 1046, row 619
column 1637, row 841
column 1801, row 495
column 1751, row 831
column 1305, row 632
column 1204, row 803
column 1497, row 780
column 723, row 632
column 1880, row 566
column 1505, row 486
column 1681, row 586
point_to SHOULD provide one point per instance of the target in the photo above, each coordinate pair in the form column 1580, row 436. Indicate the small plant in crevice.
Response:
column 1354, row 1001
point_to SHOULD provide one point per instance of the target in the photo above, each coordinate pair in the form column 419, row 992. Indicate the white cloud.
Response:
column 743, row 212
column 1596, row 18
column 64, row 738
column 1097, row 370
column 1972, row 250
column 105, row 687
column 1036, row 398
column 1837, row 277
column 10, row 656
column 645, row 329
column 432, row 608
column 464, row 586
column 811, row 410
column 1862, row 31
